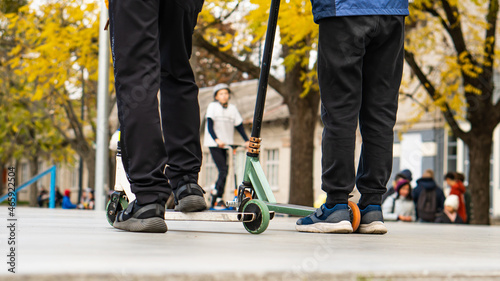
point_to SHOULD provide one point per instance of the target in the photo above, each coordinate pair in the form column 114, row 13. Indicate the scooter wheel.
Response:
column 116, row 203
column 355, row 215
column 261, row 221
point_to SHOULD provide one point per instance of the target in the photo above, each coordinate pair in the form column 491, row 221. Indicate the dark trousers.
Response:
column 360, row 64
column 151, row 46
column 220, row 158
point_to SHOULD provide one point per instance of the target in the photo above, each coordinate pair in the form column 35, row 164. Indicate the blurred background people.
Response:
column 450, row 214
column 400, row 206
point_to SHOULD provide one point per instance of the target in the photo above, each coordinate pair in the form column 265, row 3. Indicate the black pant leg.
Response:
column 220, row 158
column 382, row 72
column 136, row 57
column 179, row 93
column 340, row 62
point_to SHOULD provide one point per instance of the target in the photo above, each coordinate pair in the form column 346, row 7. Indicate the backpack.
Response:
column 427, row 205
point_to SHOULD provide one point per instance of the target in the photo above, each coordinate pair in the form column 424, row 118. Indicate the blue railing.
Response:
column 52, row 198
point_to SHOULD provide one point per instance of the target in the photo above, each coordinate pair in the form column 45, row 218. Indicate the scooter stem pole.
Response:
column 265, row 67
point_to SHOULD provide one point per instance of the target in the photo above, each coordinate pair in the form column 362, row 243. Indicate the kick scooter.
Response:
column 256, row 211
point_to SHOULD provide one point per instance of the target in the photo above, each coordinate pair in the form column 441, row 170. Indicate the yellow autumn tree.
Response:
column 55, row 59
column 451, row 48
column 232, row 31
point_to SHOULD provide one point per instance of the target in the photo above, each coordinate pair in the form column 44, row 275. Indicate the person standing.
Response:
column 221, row 120
column 360, row 65
column 158, row 110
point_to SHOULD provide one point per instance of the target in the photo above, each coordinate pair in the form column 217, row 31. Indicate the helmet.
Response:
column 219, row 87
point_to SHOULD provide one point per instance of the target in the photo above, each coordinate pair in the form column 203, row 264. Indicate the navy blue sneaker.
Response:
column 324, row 220
column 372, row 220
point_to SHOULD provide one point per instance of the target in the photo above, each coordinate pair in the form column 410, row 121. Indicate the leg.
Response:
column 340, row 53
column 179, row 93
column 340, row 63
column 382, row 71
column 134, row 42
column 220, row 158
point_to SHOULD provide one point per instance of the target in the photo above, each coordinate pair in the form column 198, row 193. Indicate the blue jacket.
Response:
column 338, row 8
column 66, row 203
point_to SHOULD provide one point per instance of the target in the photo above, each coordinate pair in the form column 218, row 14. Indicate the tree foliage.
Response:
column 54, row 59
column 452, row 50
column 232, row 31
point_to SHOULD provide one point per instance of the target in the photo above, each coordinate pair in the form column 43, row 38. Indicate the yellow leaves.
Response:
column 468, row 67
column 471, row 89
column 309, row 83
column 54, row 43
column 296, row 22
column 38, row 94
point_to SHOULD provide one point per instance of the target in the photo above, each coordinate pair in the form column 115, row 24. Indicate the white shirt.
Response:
column 225, row 119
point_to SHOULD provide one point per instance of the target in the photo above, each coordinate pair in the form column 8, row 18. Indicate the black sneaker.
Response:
column 137, row 218
column 189, row 196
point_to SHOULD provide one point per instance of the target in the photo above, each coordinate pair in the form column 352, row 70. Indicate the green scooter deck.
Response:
column 295, row 210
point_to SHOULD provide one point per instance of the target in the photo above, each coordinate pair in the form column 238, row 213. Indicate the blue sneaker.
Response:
column 372, row 220
column 324, row 220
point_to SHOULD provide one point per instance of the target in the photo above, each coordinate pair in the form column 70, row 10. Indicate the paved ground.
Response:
column 80, row 245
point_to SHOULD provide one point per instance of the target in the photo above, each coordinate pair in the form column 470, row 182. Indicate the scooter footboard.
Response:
column 290, row 209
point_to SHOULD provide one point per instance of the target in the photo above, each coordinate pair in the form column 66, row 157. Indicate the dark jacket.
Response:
column 429, row 184
column 338, row 8
column 443, row 218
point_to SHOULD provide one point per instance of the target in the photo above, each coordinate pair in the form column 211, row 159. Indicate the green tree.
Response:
column 54, row 58
column 457, row 41
column 231, row 31
column 21, row 119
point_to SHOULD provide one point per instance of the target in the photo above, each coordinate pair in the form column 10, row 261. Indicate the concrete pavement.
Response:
column 80, row 245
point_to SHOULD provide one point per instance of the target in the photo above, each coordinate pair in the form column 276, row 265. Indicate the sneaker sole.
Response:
column 153, row 225
column 191, row 203
column 340, row 227
column 376, row 227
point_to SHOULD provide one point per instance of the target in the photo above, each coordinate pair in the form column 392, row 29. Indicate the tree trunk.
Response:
column 89, row 160
column 303, row 117
column 33, row 190
column 302, row 126
column 479, row 177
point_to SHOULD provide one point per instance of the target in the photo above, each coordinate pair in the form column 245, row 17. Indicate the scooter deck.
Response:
column 290, row 209
column 221, row 216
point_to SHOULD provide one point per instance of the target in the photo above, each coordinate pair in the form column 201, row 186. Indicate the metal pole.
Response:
column 265, row 67
column 101, row 159
column 80, row 169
